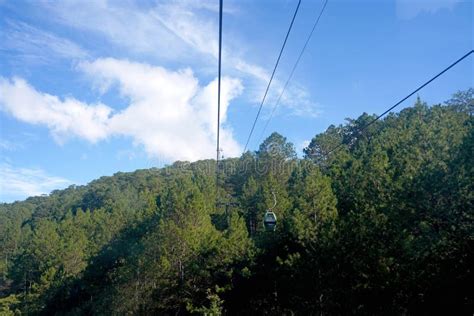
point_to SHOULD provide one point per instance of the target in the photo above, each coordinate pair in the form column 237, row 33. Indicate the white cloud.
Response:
column 33, row 43
column 182, row 21
column 254, row 70
column 68, row 117
column 297, row 100
column 180, row 31
column 19, row 183
column 16, row 142
column 9, row 145
column 136, row 29
column 169, row 113
column 199, row 33
column 165, row 28
column 408, row 9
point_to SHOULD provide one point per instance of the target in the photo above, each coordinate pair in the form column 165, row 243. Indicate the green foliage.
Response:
column 215, row 305
column 314, row 210
column 7, row 306
column 277, row 147
column 382, row 225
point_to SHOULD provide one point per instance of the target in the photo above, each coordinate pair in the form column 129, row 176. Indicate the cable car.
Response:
column 269, row 221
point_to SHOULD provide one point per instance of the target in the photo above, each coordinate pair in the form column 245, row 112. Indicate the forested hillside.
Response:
column 381, row 226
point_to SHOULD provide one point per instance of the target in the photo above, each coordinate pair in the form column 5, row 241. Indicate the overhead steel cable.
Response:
column 273, row 73
column 219, row 91
column 294, row 68
column 402, row 100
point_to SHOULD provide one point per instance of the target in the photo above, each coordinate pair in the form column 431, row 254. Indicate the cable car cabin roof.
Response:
column 269, row 217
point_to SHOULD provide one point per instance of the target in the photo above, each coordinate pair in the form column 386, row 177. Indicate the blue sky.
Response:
column 91, row 88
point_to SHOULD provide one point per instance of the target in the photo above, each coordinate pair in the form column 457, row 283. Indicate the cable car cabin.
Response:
column 269, row 221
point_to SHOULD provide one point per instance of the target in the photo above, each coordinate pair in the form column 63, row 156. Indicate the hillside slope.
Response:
column 384, row 225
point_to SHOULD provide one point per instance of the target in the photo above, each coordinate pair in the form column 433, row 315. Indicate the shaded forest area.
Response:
column 382, row 226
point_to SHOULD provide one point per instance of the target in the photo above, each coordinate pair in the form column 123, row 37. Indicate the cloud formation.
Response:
column 38, row 45
column 408, row 9
column 20, row 182
column 68, row 117
column 169, row 113
column 182, row 31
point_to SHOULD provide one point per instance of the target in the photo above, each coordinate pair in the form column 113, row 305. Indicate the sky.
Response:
column 91, row 88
